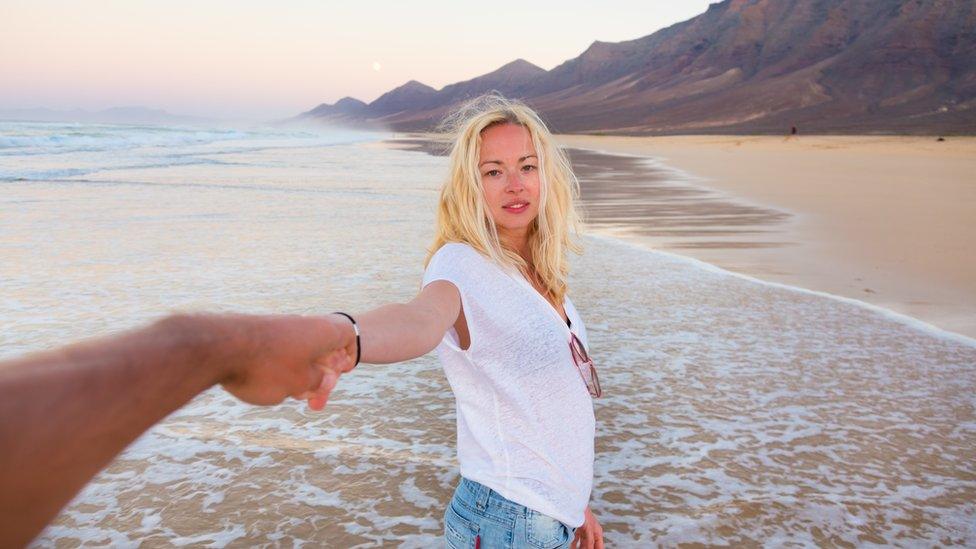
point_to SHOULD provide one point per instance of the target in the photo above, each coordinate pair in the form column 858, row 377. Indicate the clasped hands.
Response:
column 265, row 359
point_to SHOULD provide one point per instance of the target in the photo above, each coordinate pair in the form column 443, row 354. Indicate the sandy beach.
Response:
column 887, row 220
column 735, row 412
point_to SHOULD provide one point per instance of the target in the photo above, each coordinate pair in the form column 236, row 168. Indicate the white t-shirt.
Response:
column 525, row 424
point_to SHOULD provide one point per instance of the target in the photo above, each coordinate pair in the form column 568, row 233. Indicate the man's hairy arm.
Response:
column 64, row 414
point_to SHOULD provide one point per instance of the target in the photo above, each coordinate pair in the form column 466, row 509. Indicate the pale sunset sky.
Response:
column 263, row 59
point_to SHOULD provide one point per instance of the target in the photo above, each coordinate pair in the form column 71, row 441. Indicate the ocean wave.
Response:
column 41, row 151
column 29, row 139
column 20, row 138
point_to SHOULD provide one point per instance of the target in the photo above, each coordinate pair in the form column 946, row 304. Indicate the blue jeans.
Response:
column 480, row 517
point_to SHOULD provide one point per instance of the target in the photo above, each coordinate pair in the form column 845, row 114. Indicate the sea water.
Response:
column 735, row 412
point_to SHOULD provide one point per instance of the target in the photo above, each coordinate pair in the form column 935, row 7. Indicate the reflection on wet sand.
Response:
column 633, row 196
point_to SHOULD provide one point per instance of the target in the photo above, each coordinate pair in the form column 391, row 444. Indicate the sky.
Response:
column 264, row 59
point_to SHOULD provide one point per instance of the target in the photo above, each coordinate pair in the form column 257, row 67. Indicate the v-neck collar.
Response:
column 519, row 277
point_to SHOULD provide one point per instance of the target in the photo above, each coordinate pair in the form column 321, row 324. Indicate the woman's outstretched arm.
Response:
column 401, row 331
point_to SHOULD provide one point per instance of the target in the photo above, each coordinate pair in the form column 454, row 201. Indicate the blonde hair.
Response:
column 462, row 215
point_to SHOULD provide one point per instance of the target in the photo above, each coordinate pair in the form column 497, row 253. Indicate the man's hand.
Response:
column 590, row 535
column 270, row 358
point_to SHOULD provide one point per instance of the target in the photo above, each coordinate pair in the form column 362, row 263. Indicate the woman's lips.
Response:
column 516, row 208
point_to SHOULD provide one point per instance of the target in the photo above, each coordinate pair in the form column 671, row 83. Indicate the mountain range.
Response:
column 743, row 66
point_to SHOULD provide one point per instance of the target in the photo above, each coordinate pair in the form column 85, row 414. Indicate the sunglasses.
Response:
column 585, row 366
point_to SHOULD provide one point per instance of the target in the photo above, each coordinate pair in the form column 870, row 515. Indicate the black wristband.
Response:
column 355, row 327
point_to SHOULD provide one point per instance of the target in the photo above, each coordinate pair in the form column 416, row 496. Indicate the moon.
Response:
column 377, row 66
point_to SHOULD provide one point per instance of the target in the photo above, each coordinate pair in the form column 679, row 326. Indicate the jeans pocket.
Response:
column 545, row 532
column 459, row 533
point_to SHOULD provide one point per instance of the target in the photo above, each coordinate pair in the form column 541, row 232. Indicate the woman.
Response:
column 494, row 304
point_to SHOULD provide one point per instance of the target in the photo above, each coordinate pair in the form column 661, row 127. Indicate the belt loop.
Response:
column 484, row 493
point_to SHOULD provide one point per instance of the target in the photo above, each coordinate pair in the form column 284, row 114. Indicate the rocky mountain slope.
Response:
column 743, row 66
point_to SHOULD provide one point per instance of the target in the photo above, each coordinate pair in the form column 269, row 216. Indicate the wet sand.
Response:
column 886, row 220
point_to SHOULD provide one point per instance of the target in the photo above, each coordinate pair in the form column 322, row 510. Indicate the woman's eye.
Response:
column 528, row 168
column 492, row 173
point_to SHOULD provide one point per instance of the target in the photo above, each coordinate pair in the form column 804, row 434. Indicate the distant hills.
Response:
column 743, row 66
column 116, row 115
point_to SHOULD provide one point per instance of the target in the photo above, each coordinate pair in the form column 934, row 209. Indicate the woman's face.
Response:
column 509, row 171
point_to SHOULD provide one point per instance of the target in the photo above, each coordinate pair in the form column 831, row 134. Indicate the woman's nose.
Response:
column 514, row 181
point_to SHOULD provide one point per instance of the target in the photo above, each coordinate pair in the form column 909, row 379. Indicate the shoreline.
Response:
column 895, row 316
column 840, row 215
column 860, row 226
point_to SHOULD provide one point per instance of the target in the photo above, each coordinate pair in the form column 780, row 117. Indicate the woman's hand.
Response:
column 590, row 535
column 341, row 360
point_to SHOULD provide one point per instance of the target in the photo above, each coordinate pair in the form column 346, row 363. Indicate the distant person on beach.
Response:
column 64, row 414
column 494, row 304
